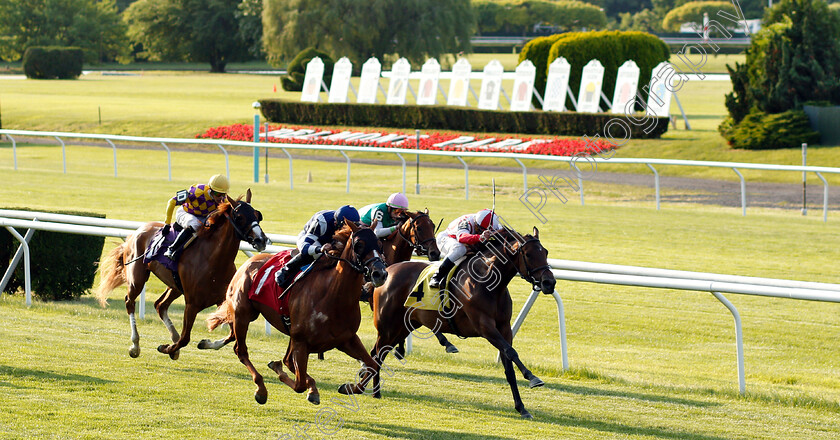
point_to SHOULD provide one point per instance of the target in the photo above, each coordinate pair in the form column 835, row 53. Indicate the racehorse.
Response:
column 482, row 303
column 204, row 269
column 323, row 309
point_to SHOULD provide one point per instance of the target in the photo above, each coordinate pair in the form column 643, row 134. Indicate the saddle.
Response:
column 425, row 297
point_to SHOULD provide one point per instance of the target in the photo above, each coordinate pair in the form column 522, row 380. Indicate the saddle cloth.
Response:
column 425, row 297
column 265, row 290
column 160, row 242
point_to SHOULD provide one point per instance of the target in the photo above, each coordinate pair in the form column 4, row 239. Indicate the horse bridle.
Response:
column 361, row 266
column 530, row 272
column 419, row 248
column 239, row 232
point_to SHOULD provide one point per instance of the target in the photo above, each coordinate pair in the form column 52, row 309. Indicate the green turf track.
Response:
column 645, row 363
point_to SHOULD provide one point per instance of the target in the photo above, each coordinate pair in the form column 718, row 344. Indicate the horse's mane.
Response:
column 216, row 219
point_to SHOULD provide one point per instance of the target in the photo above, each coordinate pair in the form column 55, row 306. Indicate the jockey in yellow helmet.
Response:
column 196, row 204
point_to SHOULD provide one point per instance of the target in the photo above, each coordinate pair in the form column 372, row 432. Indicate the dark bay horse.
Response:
column 323, row 307
column 482, row 303
column 205, row 268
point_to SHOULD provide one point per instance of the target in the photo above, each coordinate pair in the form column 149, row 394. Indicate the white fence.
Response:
column 716, row 284
column 459, row 155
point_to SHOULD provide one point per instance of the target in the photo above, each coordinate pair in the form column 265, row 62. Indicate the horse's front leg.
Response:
column 240, row 333
column 509, row 357
column 354, row 348
column 297, row 359
column 190, row 312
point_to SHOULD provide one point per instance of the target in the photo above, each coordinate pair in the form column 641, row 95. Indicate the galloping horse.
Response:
column 482, row 303
column 205, row 268
column 323, row 309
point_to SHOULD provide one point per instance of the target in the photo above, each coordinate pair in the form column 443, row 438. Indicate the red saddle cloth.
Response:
column 265, row 290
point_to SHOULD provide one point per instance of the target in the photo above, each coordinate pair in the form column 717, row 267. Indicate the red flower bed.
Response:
column 550, row 147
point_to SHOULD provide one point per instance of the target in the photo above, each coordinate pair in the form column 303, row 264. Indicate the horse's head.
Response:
column 366, row 253
column 419, row 230
column 246, row 222
column 531, row 260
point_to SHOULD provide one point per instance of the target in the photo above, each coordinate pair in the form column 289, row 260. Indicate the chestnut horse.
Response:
column 482, row 303
column 205, row 268
column 323, row 308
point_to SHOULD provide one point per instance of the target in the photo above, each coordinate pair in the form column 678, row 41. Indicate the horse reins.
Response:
column 361, row 267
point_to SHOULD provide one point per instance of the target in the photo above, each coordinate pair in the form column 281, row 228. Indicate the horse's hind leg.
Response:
column 162, row 306
column 445, row 342
column 136, row 278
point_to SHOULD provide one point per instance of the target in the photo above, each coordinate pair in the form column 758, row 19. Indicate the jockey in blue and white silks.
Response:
column 315, row 239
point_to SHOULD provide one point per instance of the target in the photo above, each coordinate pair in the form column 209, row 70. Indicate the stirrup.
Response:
column 436, row 281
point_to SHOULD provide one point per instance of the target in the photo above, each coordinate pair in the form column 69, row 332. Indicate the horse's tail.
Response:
column 222, row 315
column 112, row 274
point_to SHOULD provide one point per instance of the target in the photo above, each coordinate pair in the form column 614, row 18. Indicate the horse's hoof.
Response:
column 162, row 349
column 261, row 399
column 377, row 395
column 451, row 349
column 343, row 389
column 399, row 353
column 134, row 352
column 536, row 382
column 175, row 356
column 314, row 398
column 525, row 414
column 204, row 344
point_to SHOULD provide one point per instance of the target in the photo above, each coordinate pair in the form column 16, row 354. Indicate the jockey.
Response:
column 319, row 229
column 387, row 214
column 196, row 204
column 465, row 230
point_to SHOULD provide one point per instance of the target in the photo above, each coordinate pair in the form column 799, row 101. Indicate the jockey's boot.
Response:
column 174, row 250
column 286, row 274
column 440, row 275
column 367, row 292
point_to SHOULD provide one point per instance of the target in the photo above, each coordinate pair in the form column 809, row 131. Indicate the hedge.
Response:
column 51, row 62
column 296, row 71
column 461, row 119
column 63, row 265
column 537, row 51
column 612, row 49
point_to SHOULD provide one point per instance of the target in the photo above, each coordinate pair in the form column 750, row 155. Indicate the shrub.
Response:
column 519, row 17
column 612, row 49
column 537, row 51
column 63, row 265
column 50, row 62
column 763, row 131
column 296, row 72
column 458, row 119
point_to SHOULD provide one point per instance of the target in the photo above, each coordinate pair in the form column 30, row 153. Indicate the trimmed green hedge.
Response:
column 763, row 131
column 63, row 265
column 461, row 119
column 296, row 71
column 50, row 62
column 612, row 49
column 537, row 51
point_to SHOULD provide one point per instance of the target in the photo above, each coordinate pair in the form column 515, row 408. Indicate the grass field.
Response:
column 645, row 363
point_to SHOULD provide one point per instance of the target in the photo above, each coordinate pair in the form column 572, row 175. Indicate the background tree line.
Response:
column 221, row 31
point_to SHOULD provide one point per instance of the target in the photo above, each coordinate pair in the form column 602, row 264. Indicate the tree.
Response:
column 414, row 29
column 205, row 31
column 91, row 25
column 693, row 13
column 520, row 17
column 643, row 21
